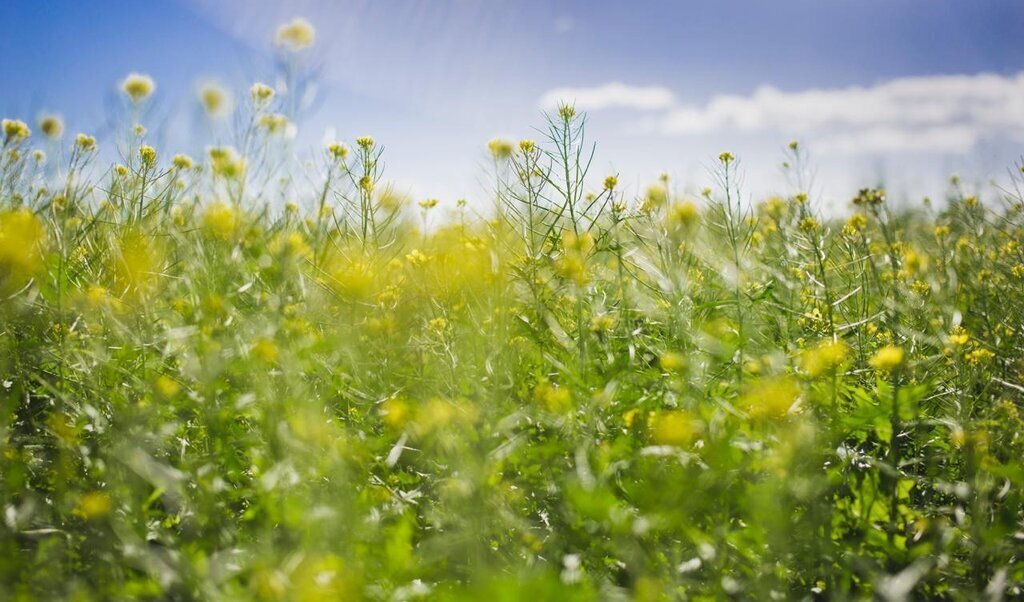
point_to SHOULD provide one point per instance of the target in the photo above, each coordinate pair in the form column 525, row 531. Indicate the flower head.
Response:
column 51, row 126
column 887, row 358
column 499, row 149
column 85, row 143
column 148, row 155
column 295, row 35
column 138, row 87
column 261, row 94
column 215, row 99
column 15, row 130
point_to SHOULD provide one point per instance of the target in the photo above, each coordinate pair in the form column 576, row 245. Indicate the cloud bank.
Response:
column 944, row 114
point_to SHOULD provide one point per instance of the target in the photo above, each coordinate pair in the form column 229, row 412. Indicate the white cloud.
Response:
column 614, row 95
column 948, row 114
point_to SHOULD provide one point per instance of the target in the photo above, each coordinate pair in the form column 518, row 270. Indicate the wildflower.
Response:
column 941, row 231
column 655, row 197
column 121, row 170
column 265, row 350
column 771, row 397
column 225, row 162
column 887, row 358
column 166, row 386
column 181, row 161
column 295, row 35
column 499, row 149
column 602, row 323
column 823, row 357
column 438, row 324
column 93, row 505
column 21, row 237
column 337, row 150
column 15, row 130
column 913, row 262
column 527, row 147
column 809, row 224
column 273, row 122
column 794, row 145
column 726, row 158
column 672, row 361
column 51, row 126
column 261, row 95
column 978, row 356
column 148, row 155
column 365, row 142
column 869, row 196
column 556, row 398
column 138, row 87
column 416, row 258
column 220, row 221
column 566, row 111
column 427, row 204
column 682, row 215
column 611, row 182
column 215, row 99
column 958, row 337
column 85, row 143
column 971, row 201
column 39, row 156
column 800, row 198
column 673, row 427
column 366, row 184
column 395, row 412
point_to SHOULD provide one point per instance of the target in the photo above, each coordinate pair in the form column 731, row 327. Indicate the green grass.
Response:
column 211, row 394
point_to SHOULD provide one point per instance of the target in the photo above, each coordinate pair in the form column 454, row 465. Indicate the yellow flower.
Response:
column 527, row 147
column 21, row 238
column 225, row 162
column 295, row 35
column 655, row 197
column 166, row 386
column 148, row 155
column 365, row 142
column 672, row 361
column 887, row 358
column 673, row 427
column 181, row 161
column 499, row 149
column 215, row 99
column 138, row 87
column 220, row 221
column 15, row 130
column 825, row 356
column 51, row 126
column 809, row 224
column 85, row 143
column 771, row 397
column 338, row 150
column 979, row 356
column 557, row 399
column 566, row 111
column 261, row 94
column 265, row 350
column 682, row 215
column 93, row 505
column 273, row 122
column 602, row 323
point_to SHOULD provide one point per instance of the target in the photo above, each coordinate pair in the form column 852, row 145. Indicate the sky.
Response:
column 897, row 92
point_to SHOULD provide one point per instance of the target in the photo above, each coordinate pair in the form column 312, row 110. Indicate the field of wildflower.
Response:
column 216, row 385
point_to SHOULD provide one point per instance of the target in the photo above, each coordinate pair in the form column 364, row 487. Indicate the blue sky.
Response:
column 888, row 91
